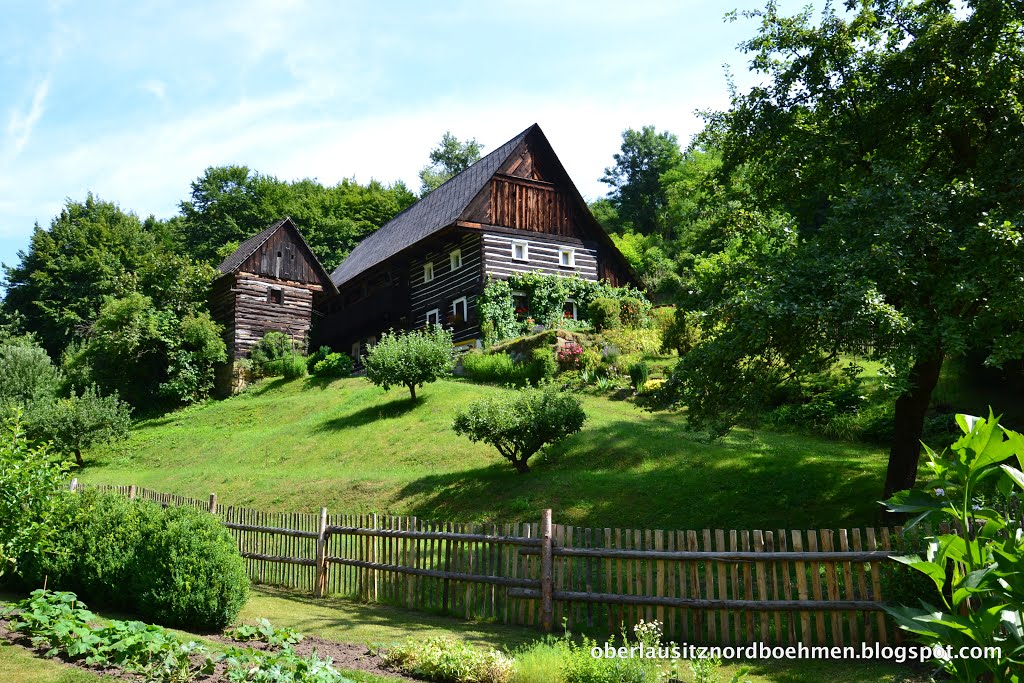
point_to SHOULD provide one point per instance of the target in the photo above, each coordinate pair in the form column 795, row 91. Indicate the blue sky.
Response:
column 133, row 100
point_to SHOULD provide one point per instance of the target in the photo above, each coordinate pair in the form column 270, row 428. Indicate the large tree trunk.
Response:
column 908, row 423
column 78, row 457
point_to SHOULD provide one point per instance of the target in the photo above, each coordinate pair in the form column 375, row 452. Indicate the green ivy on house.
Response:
column 546, row 296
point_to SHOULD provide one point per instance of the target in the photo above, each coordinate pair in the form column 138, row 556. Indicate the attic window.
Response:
column 456, row 259
column 275, row 295
column 428, row 271
column 567, row 257
column 520, row 250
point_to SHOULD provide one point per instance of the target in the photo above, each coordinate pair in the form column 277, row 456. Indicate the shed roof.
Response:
column 247, row 248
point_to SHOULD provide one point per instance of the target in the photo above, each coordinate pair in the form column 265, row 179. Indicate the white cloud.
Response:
column 156, row 88
column 20, row 124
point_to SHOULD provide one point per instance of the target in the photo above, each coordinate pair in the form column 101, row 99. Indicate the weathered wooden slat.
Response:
column 716, row 604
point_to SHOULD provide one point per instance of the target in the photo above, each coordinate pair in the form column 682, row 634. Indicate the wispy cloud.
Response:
column 156, row 88
column 21, row 123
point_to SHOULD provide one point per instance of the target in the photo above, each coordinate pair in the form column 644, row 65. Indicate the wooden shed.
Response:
column 270, row 283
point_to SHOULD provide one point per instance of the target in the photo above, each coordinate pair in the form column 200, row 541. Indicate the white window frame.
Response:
column 436, row 313
column 575, row 311
column 566, row 262
column 428, row 271
column 356, row 348
column 455, row 258
column 465, row 308
column 526, row 250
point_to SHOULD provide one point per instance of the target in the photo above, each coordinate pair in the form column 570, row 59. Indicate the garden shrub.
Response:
column 543, row 365
column 634, row 340
column 681, row 334
column 334, row 365
column 521, row 424
column 26, row 375
column 570, row 355
column 604, row 313
column 289, row 367
column 632, row 312
column 315, row 357
column 176, row 566
column 268, row 353
column 495, row 368
column 77, row 422
column 590, row 359
column 639, row 373
column 447, row 660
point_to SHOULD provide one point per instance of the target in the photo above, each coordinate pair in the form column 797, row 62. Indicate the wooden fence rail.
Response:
column 729, row 587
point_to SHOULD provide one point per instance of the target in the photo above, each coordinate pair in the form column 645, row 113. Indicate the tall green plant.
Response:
column 410, row 360
column 978, row 571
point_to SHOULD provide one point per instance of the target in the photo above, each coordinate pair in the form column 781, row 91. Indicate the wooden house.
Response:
column 516, row 210
column 272, row 282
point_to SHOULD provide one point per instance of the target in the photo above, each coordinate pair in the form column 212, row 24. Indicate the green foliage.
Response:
column 448, row 159
column 61, row 623
column 289, row 367
column 497, row 311
column 177, row 566
column 229, row 204
column 334, row 365
column 632, row 312
column 604, row 313
column 642, row 340
column 978, row 572
column 635, row 179
column 817, row 400
column 521, row 424
column 543, row 365
column 26, row 375
column 267, row 355
column 265, row 632
column 283, row 666
column 189, row 573
column 681, row 333
column 495, row 368
column 411, row 359
column 144, row 353
column 78, row 422
column 447, row 660
column 31, row 482
column 639, row 373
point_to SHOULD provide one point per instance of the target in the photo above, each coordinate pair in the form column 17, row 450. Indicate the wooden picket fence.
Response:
column 726, row 587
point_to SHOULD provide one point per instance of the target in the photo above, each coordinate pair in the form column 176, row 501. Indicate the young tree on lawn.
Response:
column 448, row 159
column 881, row 154
column 411, row 359
column 75, row 423
column 521, row 424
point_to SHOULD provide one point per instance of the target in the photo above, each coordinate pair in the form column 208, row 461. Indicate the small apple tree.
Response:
column 411, row 359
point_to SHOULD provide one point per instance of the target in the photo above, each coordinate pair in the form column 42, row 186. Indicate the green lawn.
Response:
column 349, row 446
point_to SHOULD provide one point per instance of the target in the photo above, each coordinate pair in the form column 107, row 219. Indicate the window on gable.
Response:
column 428, row 271
column 520, row 250
column 275, row 295
column 567, row 257
column 456, row 259
column 459, row 310
column 434, row 317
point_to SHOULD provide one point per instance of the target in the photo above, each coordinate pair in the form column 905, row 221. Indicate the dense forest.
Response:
column 864, row 202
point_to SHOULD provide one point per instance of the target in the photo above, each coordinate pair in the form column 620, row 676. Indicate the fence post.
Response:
column 320, row 587
column 213, row 503
column 547, row 605
column 73, row 486
column 132, row 492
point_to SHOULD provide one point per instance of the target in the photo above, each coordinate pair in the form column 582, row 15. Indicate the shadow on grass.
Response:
column 371, row 414
column 652, row 475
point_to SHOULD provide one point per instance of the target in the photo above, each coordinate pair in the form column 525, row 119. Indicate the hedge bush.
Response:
column 334, row 365
column 604, row 313
column 496, row 368
column 176, row 566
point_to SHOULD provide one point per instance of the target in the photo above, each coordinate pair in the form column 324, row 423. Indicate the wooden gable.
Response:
column 528, row 192
column 284, row 255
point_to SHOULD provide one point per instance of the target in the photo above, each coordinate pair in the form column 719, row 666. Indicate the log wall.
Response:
column 542, row 255
column 255, row 313
column 447, row 285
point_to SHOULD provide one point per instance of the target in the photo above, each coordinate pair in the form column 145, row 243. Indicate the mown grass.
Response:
column 19, row 665
column 349, row 446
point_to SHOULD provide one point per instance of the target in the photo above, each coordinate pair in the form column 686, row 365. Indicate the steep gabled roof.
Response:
column 437, row 210
column 247, row 248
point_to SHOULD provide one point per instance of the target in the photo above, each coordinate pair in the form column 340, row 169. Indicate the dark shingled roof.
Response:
column 437, row 210
column 249, row 247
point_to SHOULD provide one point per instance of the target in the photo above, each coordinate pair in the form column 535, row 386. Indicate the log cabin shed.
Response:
column 516, row 210
column 272, row 282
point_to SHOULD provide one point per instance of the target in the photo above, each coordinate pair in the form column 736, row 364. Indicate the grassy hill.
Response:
column 301, row 444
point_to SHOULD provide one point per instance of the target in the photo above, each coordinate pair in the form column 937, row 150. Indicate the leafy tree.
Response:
column 75, row 423
column 637, row 192
column 30, row 482
column 90, row 251
column 448, row 159
column 521, row 424
column 411, row 359
column 26, row 374
column 878, row 153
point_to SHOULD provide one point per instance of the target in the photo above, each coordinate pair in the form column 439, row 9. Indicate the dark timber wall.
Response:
column 257, row 312
column 447, row 285
column 542, row 255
